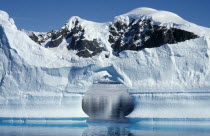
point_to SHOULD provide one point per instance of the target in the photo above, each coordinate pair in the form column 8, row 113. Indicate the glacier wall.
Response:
column 42, row 106
column 172, row 105
column 36, row 81
column 147, row 105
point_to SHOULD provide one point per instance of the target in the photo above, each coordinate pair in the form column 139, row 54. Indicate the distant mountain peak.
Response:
column 136, row 30
column 155, row 15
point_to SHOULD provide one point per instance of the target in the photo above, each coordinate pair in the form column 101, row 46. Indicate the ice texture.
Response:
column 30, row 73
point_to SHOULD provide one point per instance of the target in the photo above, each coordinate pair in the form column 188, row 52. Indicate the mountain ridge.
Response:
column 152, row 28
column 41, row 82
column 167, row 67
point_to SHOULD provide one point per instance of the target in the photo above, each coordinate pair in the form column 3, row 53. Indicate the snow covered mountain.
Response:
column 127, row 32
column 146, row 49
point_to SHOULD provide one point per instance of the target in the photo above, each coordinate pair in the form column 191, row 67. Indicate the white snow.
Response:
column 156, row 15
column 93, row 30
column 27, row 68
column 165, row 18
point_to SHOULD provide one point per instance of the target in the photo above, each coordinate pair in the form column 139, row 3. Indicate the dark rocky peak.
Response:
column 39, row 37
column 143, row 33
column 73, row 22
column 73, row 36
column 77, row 41
column 125, row 33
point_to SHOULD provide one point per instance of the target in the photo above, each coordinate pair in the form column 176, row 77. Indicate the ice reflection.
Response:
column 79, row 127
column 107, row 130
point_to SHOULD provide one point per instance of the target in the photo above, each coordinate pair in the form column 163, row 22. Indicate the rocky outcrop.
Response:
column 140, row 34
column 77, row 41
column 74, row 38
column 136, row 35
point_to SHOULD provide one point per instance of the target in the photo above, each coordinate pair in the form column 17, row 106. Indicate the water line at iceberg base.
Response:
column 154, row 113
column 147, row 105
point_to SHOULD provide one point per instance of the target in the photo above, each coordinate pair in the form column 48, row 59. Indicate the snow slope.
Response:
column 165, row 18
column 29, row 71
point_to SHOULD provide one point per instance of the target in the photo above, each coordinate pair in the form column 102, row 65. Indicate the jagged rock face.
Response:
column 41, row 38
column 140, row 34
column 78, row 42
column 74, row 37
column 136, row 35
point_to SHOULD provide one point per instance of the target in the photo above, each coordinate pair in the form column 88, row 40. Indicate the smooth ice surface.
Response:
column 62, row 105
column 147, row 105
column 171, row 105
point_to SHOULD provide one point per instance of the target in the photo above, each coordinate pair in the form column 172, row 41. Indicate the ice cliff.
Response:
column 146, row 49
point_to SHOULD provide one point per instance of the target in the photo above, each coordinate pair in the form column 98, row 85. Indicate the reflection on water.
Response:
column 79, row 127
column 107, row 130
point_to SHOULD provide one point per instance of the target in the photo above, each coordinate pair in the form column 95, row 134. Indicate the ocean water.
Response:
column 79, row 127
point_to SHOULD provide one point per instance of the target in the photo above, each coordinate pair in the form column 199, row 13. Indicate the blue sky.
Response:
column 45, row 15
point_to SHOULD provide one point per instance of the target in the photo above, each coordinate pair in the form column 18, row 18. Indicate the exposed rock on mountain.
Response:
column 141, row 34
column 125, row 33
column 74, row 37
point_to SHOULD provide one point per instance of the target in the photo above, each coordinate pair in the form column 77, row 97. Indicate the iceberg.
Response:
column 37, row 81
